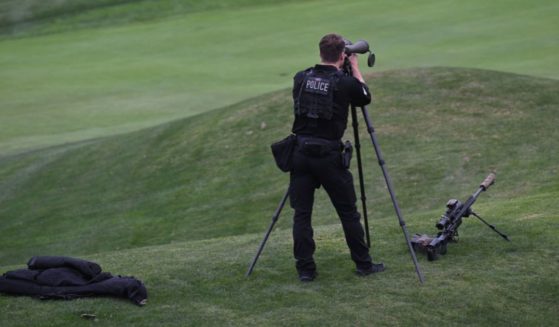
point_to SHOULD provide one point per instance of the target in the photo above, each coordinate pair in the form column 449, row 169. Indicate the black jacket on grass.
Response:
column 68, row 278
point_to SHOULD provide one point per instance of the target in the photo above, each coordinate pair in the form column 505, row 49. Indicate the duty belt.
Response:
column 325, row 143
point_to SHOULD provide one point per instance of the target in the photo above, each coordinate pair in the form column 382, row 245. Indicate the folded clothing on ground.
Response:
column 55, row 277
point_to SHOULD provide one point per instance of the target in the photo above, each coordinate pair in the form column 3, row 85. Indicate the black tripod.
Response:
column 370, row 129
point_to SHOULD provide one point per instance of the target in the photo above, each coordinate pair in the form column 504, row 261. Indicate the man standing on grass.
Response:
column 322, row 95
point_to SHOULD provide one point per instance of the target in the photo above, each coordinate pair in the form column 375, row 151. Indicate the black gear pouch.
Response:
column 283, row 152
column 347, row 154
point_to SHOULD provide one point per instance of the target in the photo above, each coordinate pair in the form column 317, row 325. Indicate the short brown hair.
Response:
column 331, row 47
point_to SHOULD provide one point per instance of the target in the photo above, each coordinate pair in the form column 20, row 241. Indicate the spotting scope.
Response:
column 360, row 47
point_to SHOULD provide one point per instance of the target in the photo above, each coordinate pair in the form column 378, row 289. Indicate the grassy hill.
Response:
column 130, row 135
column 183, row 205
column 85, row 69
column 442, row 130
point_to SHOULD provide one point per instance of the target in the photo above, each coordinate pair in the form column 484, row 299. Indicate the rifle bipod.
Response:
column 490, row 226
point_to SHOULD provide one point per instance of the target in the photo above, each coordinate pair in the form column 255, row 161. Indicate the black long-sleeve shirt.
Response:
column 349, row 91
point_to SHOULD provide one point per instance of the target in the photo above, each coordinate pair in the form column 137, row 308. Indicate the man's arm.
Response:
column 359, row 92
column 355, row 68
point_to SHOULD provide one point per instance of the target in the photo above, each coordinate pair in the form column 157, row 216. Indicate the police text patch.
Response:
column 317, row 85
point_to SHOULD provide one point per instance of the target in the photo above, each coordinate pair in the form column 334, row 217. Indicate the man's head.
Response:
column 332, row 48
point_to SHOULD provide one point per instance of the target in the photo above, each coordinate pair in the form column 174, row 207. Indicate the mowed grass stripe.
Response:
column 78, row 85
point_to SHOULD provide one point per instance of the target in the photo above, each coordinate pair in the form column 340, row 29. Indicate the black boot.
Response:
column 374, row 268
column 307, row 276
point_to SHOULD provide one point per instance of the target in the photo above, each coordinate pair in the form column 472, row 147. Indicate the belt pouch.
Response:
column 283, row 152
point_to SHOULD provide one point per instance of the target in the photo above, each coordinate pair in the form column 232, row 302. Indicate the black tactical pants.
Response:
column 313, row 167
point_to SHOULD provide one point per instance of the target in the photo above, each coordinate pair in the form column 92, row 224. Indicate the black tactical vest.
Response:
column 316, row 94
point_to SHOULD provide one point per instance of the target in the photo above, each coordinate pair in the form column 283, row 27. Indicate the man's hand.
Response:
column 355, row 67
column 353, row 60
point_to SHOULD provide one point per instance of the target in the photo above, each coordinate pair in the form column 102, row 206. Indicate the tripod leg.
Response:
column 491, row 226
column 381, row 162
column 360, row 170
column 275, row 218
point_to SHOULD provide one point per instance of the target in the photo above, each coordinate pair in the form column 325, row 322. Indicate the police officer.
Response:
column 322, row 95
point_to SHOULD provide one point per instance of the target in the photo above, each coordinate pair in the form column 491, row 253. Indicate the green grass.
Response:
column 184, row 203
column 441, row 130
column 116, row 77
column 203, row 177
column 38, row 17
column 183, row 206
column 482, row 281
